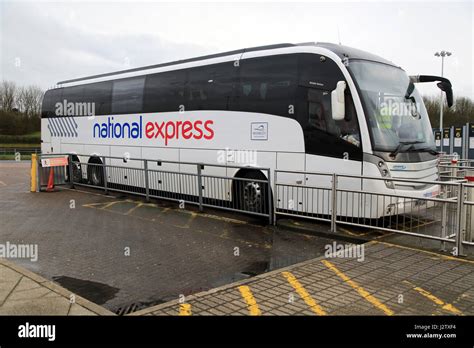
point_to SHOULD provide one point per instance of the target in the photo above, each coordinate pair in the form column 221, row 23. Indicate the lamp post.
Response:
column 442, row 54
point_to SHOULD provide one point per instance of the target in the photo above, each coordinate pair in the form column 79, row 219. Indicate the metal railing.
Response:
column 443, row 212
column 201, row 184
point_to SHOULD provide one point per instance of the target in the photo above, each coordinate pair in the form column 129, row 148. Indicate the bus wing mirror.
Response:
column 337, row 101
column 446, row 88
column 444, row 84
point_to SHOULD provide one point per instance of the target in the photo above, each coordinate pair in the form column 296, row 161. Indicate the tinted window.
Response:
column 101, row 94
column 73, row 94
column 127, row 95
column 164, row 91
column 50, row 99
column 211, row 87
column 268, row 84
column 318, row 72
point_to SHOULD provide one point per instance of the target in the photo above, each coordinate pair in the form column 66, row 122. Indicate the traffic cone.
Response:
column 50, row 187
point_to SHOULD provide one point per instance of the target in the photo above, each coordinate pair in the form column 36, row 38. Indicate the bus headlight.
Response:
column 385, row 173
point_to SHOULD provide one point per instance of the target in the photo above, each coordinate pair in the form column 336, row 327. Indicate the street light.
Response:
column 442, row 54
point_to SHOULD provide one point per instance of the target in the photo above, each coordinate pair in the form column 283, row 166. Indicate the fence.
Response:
column 202, row 184
column 442, row 211
column 22, row 151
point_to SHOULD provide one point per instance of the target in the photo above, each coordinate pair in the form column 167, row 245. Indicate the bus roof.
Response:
column 341, row 51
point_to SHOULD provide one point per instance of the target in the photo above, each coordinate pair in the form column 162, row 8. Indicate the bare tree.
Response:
column 8, row 95
column 29, row 100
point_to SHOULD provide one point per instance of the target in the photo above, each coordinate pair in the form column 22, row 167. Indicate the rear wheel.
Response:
column 95, row 172
column 76, row 170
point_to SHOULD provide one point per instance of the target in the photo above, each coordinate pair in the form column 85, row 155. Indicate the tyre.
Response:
column 251, row 196
column 95, row 172
column 76, row 170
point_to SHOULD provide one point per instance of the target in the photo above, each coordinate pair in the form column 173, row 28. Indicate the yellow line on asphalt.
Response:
column 2, row 183
column 191, row 217
column 364, row 293
column 250, row 300
column 108, row 205
column 131, row 210
column 446, row 306
column 303, row 293
column 185, row 309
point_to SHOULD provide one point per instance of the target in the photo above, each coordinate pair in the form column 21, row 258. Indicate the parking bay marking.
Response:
column 185, row 309
column 446, row 306
column 303, row 293
column 250, row 300
column 193, row 215
column 364, row 293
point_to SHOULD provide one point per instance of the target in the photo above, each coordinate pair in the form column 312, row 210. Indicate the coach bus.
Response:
column 311, row 107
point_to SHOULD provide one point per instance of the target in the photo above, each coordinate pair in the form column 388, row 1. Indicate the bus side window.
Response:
column 210, row 87
column 349, row 127
column 127, row 95
column 319, row 111
column 164, row 91
column 100, row 94
column 268, row 85
column 51, row 97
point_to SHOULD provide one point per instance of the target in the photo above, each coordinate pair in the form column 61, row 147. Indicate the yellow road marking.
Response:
column 446, row 306
column 191, row 217
column 303, row 293
column 131, row 210
column 185, row 309
column 250, row 300
column 441, row 256
column 2, row 183
column 108, row 205
column 364, row 293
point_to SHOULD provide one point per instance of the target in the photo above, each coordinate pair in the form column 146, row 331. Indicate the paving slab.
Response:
column 391, row 280
column 23, row 292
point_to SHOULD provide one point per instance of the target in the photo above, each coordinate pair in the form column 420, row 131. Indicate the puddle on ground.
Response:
column 93, row 291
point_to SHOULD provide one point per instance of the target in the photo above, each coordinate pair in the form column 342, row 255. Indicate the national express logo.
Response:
column 167, row 131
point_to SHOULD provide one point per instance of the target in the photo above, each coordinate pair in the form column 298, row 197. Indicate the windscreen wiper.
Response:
column 401, row 144
column 425, row 149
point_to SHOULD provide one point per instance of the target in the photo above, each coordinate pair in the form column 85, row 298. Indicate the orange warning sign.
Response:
column 54, row 162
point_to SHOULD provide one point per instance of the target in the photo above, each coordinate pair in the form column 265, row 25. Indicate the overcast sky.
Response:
column 43, row 42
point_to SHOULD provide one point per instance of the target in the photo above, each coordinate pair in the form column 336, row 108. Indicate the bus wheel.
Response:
column 251, row 195
column 95, row 172
column 76, row 170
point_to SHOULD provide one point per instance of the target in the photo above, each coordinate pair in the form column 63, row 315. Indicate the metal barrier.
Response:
column 452, row 168
column 437, row 213
column 201, row 184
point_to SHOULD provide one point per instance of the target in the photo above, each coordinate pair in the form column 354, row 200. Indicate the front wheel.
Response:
column 251, row 196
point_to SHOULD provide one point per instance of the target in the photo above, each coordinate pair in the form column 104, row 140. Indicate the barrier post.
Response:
column 460, row 221
column 199, row 166
column 106, row 185
column 71, row 171
column 147, row 187
column 39, row 173
column 334, row 203
column 269, row 198
column 34, row 172
column 275, row 195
